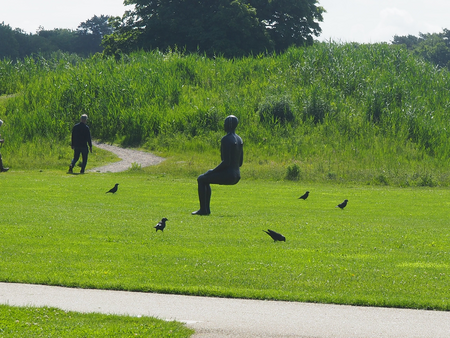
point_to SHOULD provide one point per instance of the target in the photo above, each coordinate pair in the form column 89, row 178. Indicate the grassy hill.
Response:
column 331, row 112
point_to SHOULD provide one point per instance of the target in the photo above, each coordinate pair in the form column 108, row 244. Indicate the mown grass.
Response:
column 389, row 247
column 28, row 322
column 349, row 121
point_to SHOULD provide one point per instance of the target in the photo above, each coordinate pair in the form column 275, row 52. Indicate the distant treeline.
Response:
column 433, row 47
column 85, row 41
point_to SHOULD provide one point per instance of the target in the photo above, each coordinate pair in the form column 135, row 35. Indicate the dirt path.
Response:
column 127, row 156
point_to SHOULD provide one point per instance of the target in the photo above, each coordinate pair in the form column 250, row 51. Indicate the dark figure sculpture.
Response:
column 227, row 172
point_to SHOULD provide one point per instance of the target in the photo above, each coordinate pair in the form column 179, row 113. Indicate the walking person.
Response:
column 227, row 172
column 2, row 168
column 81, row 140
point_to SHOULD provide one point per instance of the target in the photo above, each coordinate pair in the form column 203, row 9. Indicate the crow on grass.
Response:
column 275, row 235
column 342, row 205
column 304, row 196
column 113, row 189
column 161, row 225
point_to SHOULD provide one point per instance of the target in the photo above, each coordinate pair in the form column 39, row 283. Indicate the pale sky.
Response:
column 362, row 21
column 28, row 15
column 369, row 21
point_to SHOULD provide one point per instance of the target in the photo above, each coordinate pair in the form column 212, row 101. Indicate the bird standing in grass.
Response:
column 275, row 235
column 114, row 189
column 161, row 225
column 304, row 196
column 342, row 205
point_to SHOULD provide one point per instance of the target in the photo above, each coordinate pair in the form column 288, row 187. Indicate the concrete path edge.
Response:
column 224, row 317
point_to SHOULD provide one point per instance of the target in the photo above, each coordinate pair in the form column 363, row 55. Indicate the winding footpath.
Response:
column 127, row 156
column 237, row 318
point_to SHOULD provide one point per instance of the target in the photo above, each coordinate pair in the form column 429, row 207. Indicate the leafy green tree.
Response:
column 97, row 26
column 230, row 28
column 16, row 44
column 91, row 32
column 59, row 39
column 433, row 47
column 410, row 41
column 290, row 22
column 9, row 47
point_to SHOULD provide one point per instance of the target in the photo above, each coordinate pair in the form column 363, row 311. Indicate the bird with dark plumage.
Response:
column 304, row 196
column 113, row 189
column 342, row 205
column 161, row 225
column 275, row 235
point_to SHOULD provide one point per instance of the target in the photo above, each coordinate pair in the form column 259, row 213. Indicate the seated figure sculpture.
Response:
column 227, row 172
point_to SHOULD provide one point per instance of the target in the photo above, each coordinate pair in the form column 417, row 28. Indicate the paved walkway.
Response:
column 239, row 318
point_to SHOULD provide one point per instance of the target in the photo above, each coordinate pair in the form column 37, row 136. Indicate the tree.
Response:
column 230, row 28
column 97, row 26
column 433, row 47
column 410, row 41
column 290, row 22
column 9, row 46
column 85, row 41
column 91, row 32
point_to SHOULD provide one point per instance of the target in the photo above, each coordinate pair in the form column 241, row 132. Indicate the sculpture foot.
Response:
column 200, row 213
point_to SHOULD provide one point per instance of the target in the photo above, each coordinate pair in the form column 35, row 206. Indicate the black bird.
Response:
column 342, row 205
column 114, row 189
column 304, row 196
column 161, row 225
column 275, row 235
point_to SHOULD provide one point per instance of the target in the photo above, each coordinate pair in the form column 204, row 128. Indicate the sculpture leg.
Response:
column 207, row 198
column 204, row 196
column 204, row 188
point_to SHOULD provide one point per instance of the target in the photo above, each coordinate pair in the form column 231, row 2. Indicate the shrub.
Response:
column 276, row 110
column 316, row 107
column 293, row 172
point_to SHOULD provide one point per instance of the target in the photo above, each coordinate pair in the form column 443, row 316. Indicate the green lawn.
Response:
column 388, row 247
column 30, row 322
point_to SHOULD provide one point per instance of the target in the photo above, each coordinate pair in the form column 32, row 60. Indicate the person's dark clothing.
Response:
column 77, row 151
column 81, row 139
column 81, row 136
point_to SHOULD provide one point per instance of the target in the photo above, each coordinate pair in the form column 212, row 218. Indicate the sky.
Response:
column 364, row 21
column 28, row 15
column 370, row 21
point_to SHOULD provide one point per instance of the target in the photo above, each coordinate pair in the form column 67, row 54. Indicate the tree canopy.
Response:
column 433, row 47
column 85, row 41
column 229, row 28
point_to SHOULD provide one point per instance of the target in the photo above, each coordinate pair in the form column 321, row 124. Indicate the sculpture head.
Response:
column 231, row 123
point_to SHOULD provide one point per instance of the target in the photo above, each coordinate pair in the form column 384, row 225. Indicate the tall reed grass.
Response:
column 371, row 113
